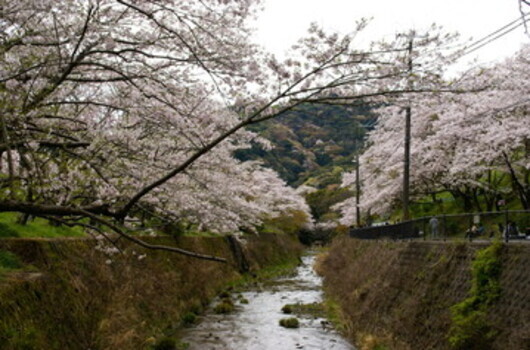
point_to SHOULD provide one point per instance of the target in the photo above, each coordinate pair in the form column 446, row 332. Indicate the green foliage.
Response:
column 287, row 309
column 322, row 200
column 314, row 310
column 224, row 294
column 334, row 313
column 26, row 338
column 9, row 227
column 380, row 347
column 291, row 322
column 7, row 231
column 281, row 268
column 168, row 343
column 310, row 141
column 189, row 318
column 224, row 307
column 290, row 223
column 9, row 261
column 470, row 328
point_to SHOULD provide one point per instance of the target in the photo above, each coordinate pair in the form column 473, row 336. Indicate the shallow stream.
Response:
column 255, row 326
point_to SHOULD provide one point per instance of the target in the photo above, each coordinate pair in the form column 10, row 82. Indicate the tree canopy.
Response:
column 470, row 144
column 113, row 109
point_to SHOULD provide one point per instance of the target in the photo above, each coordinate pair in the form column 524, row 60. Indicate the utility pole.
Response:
column 357, row 180
column 406, row 161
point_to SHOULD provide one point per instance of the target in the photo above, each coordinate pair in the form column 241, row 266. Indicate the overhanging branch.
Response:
column 47, row 210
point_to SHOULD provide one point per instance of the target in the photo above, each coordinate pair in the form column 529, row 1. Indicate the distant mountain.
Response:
column 313, row 144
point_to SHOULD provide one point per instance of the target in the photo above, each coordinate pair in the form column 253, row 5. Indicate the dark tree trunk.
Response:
column 518, row 187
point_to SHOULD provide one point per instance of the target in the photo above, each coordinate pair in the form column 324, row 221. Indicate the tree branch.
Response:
column 42, row 210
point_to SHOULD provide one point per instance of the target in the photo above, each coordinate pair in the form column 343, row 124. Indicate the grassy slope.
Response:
column 34, row 228
column 84, row 298
column 400, row 294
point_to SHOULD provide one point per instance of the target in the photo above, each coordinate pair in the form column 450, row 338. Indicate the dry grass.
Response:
column 400, row 293
column 87, row 299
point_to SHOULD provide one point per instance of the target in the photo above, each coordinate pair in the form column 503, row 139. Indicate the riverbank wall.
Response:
column 399, row 295
column 79, row 294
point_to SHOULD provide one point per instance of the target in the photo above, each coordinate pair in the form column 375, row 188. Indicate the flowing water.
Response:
column 254, row 326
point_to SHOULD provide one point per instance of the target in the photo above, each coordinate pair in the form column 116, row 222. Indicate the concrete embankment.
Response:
column 399, row 295
column 75, row 295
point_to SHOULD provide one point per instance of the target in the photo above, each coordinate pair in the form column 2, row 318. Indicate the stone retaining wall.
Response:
column 398, row 294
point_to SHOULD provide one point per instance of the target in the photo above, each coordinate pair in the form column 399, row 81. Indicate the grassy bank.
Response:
column 421, row 295
column 37, row 227
column 79, row 295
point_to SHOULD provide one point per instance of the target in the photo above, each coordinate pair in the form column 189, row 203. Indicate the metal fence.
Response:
column 397, row 231
column 486, row 225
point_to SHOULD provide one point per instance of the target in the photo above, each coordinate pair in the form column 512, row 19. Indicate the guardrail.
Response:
column 467, row 225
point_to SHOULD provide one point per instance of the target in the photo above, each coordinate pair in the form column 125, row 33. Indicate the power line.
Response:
column 499, row 33
column 489, row 38
column 479, row 42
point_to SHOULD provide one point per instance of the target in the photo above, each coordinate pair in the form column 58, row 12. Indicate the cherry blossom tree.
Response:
column 462, row 143
column 102, row 97
column 112, row 109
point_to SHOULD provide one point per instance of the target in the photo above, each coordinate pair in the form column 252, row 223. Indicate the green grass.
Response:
column 9, row 262
column 268, row 273
column 199, row 234
column 334, row 313
column 34, row 228
column 445, row 204
column 313, row 310
column 274, row 271
column 291, row 322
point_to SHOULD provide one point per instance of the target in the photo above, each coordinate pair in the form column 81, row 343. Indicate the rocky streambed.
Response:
column 254, row 322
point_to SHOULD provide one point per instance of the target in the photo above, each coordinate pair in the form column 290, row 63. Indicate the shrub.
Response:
column 287, row 309
column 470, row 328
column 291, row 322
column 189, row 318
column 166, row 344
column 9, row 260
column 224, row 307
column 225, row 294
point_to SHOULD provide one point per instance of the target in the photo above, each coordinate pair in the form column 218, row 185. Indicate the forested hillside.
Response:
column 312, row 144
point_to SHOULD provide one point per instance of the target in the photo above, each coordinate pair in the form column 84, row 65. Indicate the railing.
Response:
column 487, row 224
column 397, row 231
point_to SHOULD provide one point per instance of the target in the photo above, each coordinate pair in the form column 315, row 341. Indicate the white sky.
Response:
column 283, row 21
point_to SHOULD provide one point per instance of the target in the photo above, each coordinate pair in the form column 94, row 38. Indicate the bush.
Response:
column 225, row 294
column 166, row 344
column 9, row 260
column 224, row 307
column 470, row 328
column 189, row 318
column 291, row 322
column 287, row 309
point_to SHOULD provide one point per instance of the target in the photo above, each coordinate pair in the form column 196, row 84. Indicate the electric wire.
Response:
column 495, row 35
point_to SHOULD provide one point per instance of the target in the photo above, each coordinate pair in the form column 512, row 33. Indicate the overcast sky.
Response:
column 283, row 21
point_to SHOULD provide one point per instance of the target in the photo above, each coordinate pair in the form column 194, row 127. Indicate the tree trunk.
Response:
column 518, row 187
